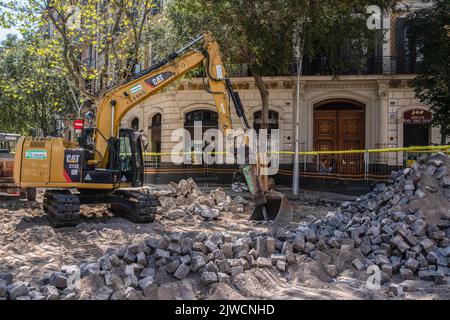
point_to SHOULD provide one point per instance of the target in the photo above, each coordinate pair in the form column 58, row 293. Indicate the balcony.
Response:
column 389, row 65
column 373, row 65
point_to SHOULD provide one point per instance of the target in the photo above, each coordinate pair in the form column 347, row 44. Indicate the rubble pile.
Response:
column 402, row 230
column 143, row 270
column 186, row 200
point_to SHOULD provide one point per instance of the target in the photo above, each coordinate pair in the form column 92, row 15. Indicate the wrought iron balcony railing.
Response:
column 320, row 67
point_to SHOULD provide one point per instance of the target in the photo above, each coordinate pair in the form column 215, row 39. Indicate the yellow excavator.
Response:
column 106, row 162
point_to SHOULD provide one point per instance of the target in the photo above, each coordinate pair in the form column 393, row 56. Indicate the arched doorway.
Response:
column 135, row 124
column 340, row 125
column 152, row 160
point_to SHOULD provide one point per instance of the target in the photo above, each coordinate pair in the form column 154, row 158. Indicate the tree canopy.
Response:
column 34, row 93
column 262, row 34
column 99, row 43
column 430, row 33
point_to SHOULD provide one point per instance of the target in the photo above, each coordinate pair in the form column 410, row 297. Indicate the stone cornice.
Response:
column 340, row 85
column 289, row 82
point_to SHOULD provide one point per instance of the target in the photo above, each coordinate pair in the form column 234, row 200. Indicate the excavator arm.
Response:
column 118, row 102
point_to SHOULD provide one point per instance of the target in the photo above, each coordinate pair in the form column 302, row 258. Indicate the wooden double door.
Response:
column 339, row 129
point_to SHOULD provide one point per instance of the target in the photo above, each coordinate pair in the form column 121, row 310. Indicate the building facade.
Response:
column 369, row 108
column 373, row 108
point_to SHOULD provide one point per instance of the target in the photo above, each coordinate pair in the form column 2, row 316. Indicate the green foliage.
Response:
column 429, row 30
column 6, row 14
column 92, row 45
column 253, row 32
column 261, row 33
column 33, row 92
column 264, row 34
column 99, row 42
column 338, row 31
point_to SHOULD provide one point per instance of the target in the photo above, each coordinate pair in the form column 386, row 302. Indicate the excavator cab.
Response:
column 130, row 160
column 126, row 156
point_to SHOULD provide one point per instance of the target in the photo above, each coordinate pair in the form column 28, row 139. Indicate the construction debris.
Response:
column 186, row 200
column 400, row 230
column 147, row 266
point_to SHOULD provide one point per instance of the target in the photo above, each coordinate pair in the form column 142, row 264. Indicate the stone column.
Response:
column 305, row 126
column 382, row 99
column 383, row 112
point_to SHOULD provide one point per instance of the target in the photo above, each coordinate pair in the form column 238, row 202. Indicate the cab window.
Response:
column 125, row 153
column 6, row 146
column 138, row 153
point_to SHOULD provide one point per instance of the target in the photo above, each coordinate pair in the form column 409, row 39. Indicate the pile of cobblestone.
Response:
column 186, row 199
column 140, row 271
column 403, row 228
column 383, row 228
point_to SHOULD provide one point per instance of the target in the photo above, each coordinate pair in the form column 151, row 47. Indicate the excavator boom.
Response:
column 118, row 102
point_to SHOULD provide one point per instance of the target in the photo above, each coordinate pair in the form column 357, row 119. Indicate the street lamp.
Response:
column 299, row 61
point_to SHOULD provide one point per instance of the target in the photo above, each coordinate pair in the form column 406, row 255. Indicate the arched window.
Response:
column 135, row 124
column 156, row 120
column 208, row 119
column 273, row 120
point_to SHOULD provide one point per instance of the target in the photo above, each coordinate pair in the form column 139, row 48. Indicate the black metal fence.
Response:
column 348, row 172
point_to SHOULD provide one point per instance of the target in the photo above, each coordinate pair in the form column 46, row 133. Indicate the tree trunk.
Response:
column 43, row 120
column 444, row 133
column 264, row 93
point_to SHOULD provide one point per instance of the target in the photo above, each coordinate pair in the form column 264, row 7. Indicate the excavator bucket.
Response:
column 270, row 207
column 276, row 209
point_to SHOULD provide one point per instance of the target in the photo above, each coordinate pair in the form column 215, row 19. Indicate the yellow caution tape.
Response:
column 182, row 153
column 418, row 149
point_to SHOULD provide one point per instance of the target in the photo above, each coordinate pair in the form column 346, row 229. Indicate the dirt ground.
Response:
column 31, row 248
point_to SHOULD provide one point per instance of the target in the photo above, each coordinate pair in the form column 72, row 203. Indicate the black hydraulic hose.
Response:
column 207, row 89
column 111, row 148
column 154, row 67
column 233, row 94
column 208, row 66
column 236, row 101
column 241, row 112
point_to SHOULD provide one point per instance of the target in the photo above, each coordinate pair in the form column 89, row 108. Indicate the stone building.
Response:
column 374, row 108
column 355, row 112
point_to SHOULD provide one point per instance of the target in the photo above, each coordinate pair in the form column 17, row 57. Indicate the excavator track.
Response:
column 62, row 208
column 137, row 207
